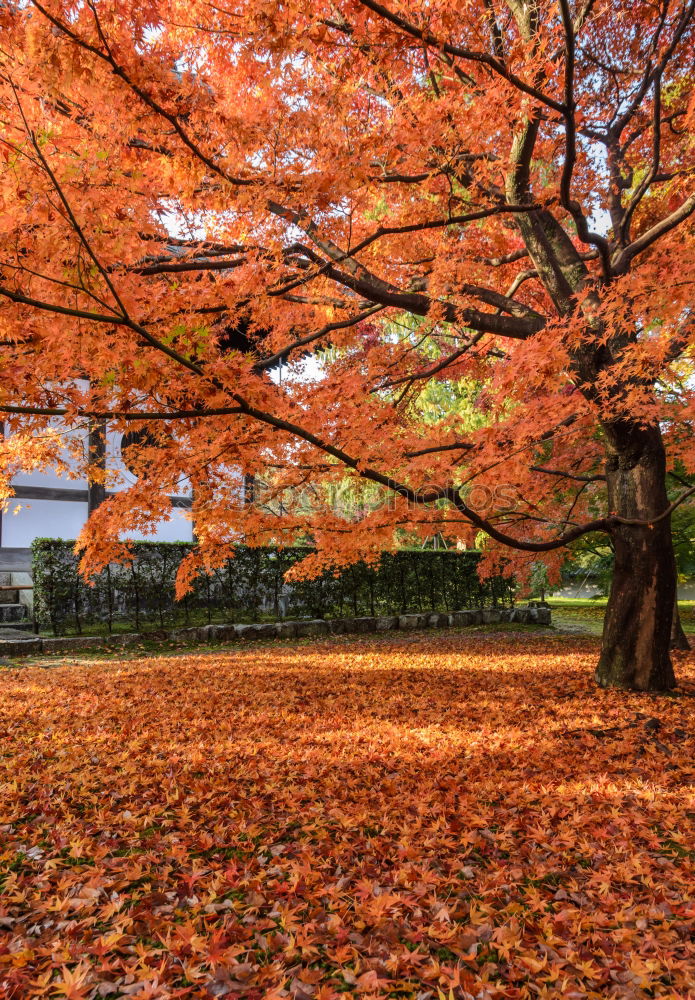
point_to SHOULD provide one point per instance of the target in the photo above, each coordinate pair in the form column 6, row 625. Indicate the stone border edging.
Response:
column 285, row 629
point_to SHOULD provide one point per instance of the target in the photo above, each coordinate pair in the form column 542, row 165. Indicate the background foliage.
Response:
column 249, row 586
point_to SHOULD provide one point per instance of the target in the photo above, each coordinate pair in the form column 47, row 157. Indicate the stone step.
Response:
column 21, row 630
column 12, row 612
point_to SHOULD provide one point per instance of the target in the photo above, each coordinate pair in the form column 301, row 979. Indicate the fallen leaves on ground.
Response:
column 433, row 816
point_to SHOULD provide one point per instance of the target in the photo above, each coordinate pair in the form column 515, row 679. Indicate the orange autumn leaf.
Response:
column 242, row 815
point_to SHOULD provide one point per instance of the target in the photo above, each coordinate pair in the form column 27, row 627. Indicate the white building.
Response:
column 46, row 505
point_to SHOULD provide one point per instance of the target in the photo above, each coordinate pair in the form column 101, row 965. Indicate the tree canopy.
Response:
column 495, row 198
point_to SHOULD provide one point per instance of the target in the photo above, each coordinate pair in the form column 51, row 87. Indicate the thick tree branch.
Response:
column 45, row 411
column 111, row 318
column 623, row 258
column 373, row 289
column 568, row 475
column 602, row 524
column 181, row 267
column 456, row 446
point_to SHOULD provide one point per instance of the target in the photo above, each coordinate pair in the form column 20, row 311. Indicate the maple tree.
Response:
column 418, row 817
column 497, row 194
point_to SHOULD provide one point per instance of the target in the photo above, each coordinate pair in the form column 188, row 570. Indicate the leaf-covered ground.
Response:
column 442, row 816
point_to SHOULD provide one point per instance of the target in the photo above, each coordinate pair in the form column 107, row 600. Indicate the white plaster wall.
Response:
column 49, row 477
column 125, row 478
column 26, row 520
column 177, row 529
column 26, row 597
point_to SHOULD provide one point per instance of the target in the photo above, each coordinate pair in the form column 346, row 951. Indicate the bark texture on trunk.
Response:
column 679, row 639
column 637, row 628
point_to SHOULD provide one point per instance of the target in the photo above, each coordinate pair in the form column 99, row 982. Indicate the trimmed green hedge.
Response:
column 248, row 587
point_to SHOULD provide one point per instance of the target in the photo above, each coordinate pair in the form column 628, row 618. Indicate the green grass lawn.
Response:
column 579, row 613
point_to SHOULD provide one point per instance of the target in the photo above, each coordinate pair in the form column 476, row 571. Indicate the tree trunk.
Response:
column 637, row 628
column 679, row 639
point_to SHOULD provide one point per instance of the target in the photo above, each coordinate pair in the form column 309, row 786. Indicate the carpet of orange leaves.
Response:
column 429, row 816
